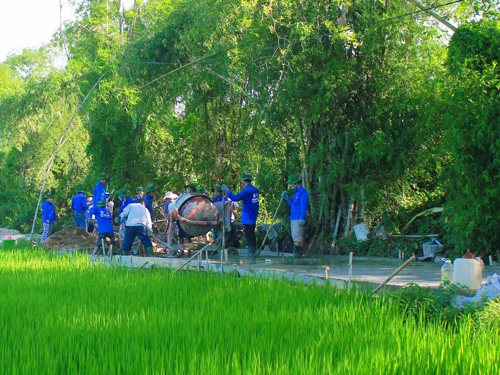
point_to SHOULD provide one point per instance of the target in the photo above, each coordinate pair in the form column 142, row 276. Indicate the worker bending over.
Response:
column 138, row 224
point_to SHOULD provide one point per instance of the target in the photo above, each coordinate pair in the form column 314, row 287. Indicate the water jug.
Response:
column 468, row 272
column 447, row 271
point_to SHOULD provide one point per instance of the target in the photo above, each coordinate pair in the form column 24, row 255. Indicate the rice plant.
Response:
column 63, row 315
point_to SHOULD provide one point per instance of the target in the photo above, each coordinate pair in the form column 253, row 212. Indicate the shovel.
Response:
column 269, row 229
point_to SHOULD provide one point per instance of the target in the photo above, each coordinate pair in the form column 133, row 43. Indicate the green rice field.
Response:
column 63, row 315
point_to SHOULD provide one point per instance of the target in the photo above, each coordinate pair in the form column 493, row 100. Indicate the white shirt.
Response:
column 137, row 215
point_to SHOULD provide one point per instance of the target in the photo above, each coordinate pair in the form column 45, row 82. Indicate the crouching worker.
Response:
column 138, row 224
column 104, row 226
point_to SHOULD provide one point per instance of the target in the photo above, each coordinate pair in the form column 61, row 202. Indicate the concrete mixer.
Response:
column 196, row 214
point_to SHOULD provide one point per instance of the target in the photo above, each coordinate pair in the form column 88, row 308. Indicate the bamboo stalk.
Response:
column 270, row 226
column 394, row 274
column 57, row 149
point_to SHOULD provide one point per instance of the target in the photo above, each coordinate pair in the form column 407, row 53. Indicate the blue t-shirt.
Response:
column 250, row 203
column 49, row 212
column 149, row 204
column 103, row 217
column 79, row 203
column 298, row 204
column 124, row 203
column 99, row 192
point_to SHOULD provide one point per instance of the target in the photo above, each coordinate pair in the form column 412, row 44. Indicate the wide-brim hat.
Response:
column 80, row 189
column 48, row 195
column 192, row 185
column 246, row 176
column 122, row 192
column 102, row 176
column 293, row 179
column 217, row 188
column 150, row 188
column 101, row 204
column 202, row 190
column 170, row 195
column 139, row 189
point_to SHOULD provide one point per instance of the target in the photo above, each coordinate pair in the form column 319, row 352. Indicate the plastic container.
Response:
column 9, row 244
column 431, row 248
column 468, row 272
column 361, row 231
column 447, row 271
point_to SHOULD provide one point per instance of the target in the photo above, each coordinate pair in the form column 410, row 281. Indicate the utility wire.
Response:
column 204, row 61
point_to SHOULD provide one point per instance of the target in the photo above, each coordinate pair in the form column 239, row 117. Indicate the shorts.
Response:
column 297, row 231
column 102, row 237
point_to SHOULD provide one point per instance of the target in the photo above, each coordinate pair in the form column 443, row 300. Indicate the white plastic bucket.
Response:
column 361, row 231
column 468, row 272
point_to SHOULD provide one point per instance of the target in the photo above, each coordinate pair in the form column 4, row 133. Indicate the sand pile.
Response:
column 70, row 238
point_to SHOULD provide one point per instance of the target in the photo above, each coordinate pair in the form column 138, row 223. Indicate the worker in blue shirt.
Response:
column 49, row 216
column 79, row 206
column 149, row 197
column 139, row 194
column 298, row 213
column 250, row 208
column 100, row 189
column 125, row 200
column 105, row 226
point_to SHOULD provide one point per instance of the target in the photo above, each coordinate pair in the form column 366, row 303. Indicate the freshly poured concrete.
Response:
column 370, row 271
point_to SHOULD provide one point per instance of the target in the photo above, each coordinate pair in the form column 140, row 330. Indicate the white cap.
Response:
column 169, row 195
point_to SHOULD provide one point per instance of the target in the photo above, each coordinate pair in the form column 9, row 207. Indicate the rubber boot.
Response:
column 110, row 250
column 150, row 251
column 298, row 252
column 252, row 250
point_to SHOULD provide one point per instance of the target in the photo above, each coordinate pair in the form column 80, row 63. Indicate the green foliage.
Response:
column 489, row 317
column 203, row 90
column 389, row 248
column 428, row 305
column 472, row 114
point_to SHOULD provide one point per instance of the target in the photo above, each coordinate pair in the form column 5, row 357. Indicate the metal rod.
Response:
column 394, row 273
column 193, row 256
column 208, row 262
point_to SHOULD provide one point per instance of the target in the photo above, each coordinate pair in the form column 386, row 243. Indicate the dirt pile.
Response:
column 70, row 238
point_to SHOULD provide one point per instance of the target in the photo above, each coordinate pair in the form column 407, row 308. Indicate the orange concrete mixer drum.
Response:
column 196, row 214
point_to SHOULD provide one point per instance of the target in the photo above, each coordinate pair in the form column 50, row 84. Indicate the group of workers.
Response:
column 135, row 215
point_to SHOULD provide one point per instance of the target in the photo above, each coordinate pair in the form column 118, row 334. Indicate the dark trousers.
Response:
column 131, row 233
column 80, row 220
column 250, row 234
column 102, row 238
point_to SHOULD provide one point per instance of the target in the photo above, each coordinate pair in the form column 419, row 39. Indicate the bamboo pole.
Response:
column 394, row 274
column 270, row 226
column 349, row 282
column 56, row 150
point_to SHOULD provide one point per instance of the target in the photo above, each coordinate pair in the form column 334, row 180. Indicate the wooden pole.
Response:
column 270, row 226
column 223, row 233
column 394, row 273
column 55, row 152
column 349, row 282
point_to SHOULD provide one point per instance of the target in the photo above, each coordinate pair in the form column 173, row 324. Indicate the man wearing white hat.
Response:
column 168, row 198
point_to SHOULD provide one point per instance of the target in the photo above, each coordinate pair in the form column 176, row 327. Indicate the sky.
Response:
column 29, row 23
